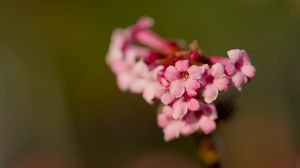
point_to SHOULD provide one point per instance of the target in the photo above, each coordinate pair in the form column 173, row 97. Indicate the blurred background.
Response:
column 60, row 106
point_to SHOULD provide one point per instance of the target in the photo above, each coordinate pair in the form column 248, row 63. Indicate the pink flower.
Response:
column 146, row 82
column 142, row 34
column 202, row 119
column 183, row 78
column 180, row 106
column 123, row 69
column 240, row 67
column 215, row 80
column 137, row 77
column 183, row 105
column 122, row 41
column 152, row 89
column 118, row 39
column 171, row 128
column 147, row 64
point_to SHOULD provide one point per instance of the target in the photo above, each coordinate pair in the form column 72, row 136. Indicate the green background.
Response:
column 59, row 102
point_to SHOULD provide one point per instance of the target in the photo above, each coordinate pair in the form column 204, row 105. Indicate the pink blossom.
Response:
column 122, row 41
column 152, row 89
column 183, row 105
column 167, row 98
column 202, row 119
column 171, row 128
column 142, row 34
column 147, row 64
column 215, row 80
column 183, row 78
column 241, row 68
column 218, row 59
column 146, row 82
column 180, row 106
column 118, row 39
column 123, row 69
column 137, row 77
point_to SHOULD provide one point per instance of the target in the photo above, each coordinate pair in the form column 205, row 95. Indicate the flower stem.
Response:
column 208, row 152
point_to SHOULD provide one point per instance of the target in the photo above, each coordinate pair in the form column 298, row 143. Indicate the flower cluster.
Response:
column 185, row 81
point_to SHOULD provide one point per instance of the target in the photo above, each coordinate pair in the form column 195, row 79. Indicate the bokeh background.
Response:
column 60, row 106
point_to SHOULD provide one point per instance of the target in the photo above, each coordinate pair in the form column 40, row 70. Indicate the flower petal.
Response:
column 206, row 71
column 217, row 59
column 141, row 69
column 189, row 129
column 155, row 72
column 172, row 130
column 171, row 73
column 221, row 84
column 119, row 66
column 210, row 111
column 193, row 104
column 217, row 70
column 182, row 65
column 192, row 84
column 210, row 93
column 230, row 69
column 124, row 80
column 238, row 80
column 235, row 55
column 246, row 58
column 179, row 109
column 167, row 98
column 137, row 86
column 249, row 70
column 168, row 111
column 191, row 93
column 149, row 93
column 207, row 125
column 164, row 82
column 159, row 90
column 195, row 72
column 145, row 22
column 177, row 88
column 163, row 119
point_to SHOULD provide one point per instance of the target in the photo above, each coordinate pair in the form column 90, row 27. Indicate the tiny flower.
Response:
column 152, row 88
column 242, row 69
column 122, row 41
column 183, row 78
column 183, row 105
column 146, row 82
column 118, row 39
column 215, row 80
column 202, row 119
column 141, row 33
column 123, row 70
column 167, row 98
column 171, row 128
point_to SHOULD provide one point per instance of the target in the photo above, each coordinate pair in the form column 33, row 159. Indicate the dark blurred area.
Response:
column 60, row 106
